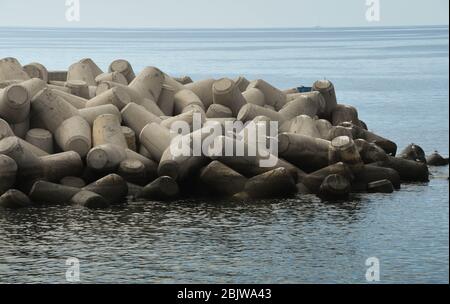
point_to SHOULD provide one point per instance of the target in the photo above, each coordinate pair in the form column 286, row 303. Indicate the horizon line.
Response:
column 222, row 28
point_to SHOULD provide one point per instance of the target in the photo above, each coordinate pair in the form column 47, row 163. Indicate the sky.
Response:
column 222, row 13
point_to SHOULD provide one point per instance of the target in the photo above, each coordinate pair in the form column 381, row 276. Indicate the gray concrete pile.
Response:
column 92, row 138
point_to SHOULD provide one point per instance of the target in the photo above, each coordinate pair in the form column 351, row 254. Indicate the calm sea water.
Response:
column 396, row 77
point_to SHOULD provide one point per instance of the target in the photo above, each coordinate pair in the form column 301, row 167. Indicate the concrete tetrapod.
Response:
column 343, row 149
column 381, row 186
column 116, row 96
column 218, row 111
column 156, row 139
column 124, row 67
column 227, row 93
column 184, row 99
column 166, row 100
column 29, row 165
column 43, row 192
column 250, row 111
column 162, row 189
column 36, row 70
column 76, row 101
column 246, row 164
column 40, row 138
column 369, row 152
column 308, row 153
column 57, row 166
column 409, row 170
column 14, row 103
column 222, row 180
column 11, row 69
column 8, row 172
column 107, row 130
column 436, row 159
column 344, row 113
column 254, row 96
column 273, row 96
column 6, row 131
column 148, row 83
column 203, row 89
column 72, row 181
column 14, row 199
column 275, row 183
column 137, row 117
column 326, row 88
column 130, row 138
column 303, row 105
column 112, row 76
column 112, row 187
column 89, row 199
column 314, row 180
column 413, row 152
column 372, row 173
column 335, row 186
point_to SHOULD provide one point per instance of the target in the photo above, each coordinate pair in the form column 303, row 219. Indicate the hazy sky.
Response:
column 222, row 13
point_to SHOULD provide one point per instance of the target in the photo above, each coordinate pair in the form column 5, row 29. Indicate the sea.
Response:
column 397, row 77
